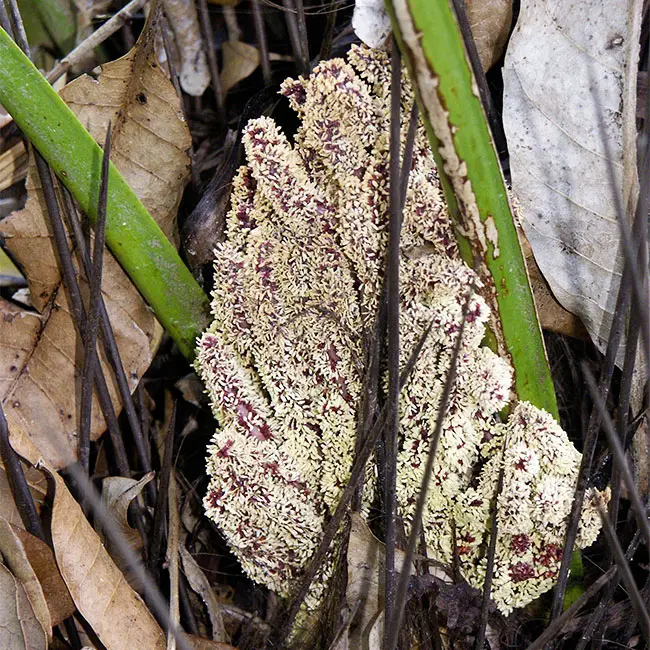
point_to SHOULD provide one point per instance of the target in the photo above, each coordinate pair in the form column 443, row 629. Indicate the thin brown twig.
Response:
column 110, row 346
column 17, row 482
column 489, row 568
column 95, row 39
column 393, row 623
column 92, row 317
column 208, row 38
column 333, row 525
column 262, row 43
column 642, row 616
column 172, row 560
column 392, row 296
column 164, row 478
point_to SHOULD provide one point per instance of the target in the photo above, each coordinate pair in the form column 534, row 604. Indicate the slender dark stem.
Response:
column 113, row 531
column 78, row 312
column 492, row 115
column 642, row 616
column 4, row 18
column 110, row 347
column 619, row 459
column 208, row 37
column 333, row 525
column 301, row 23
column 489, row 569
column 328, row 33
column 16, row 21
column 408, row 154
column 17, row 482
column 392, row 295
column 158, row 536
column 92, row 318
column 302, row 63
column 393, row 623
column 623, row 408
column 262, row 42
column 73, row 634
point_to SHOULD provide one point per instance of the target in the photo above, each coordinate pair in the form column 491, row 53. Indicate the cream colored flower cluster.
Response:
column 297, row 284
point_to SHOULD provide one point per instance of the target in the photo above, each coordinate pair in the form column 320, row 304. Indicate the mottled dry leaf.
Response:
column 240, row 60
column 552, row 316
column 563, row 57
column 21, row 629
column 40, row 352
column 115, row 612
column 490, row 21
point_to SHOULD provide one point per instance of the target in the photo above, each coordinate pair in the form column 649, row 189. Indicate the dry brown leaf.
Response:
column 42, row 561
column 364, row 592
column 115, row 612
column 37, row 486
column 200, row 584
column 117, row 494
column 490, row 21
column 13, row 165
column 39, row 355
column 240, row 60
column 552, row 316
column 17, row 561
column 21, row 629
column 199, row 643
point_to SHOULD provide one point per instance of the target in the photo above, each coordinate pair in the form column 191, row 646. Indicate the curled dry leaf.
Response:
column 20, row 627
column 117, row 494
column 564, row 60
column 40, row 352
column 115, row 612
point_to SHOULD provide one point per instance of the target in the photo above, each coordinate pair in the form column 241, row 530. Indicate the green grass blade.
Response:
column 434, row 51
column 133, row 236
